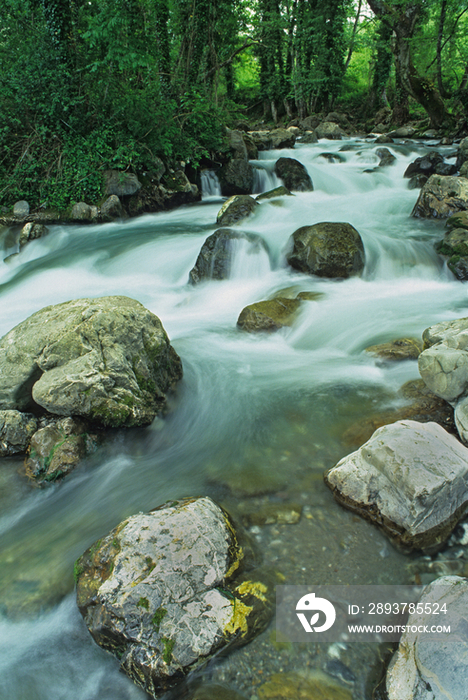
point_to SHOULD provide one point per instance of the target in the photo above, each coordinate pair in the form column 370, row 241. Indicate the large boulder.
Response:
column 105, row 359
column 262, row 140
column 216, row 255
column 433, row 667
column 83, row 212
column 165, row 590
column 441, row 197
column 454, row 247
column 327, row 249
column 236, row 177
column 269, row 315
column 330, row 130
column 120, row 183
column 444, row 367
column 235, row 209
column 111, row 209
column 293, row 174
column 410, row 478
column 16, row 430
column 425, row 165
column 282, row 138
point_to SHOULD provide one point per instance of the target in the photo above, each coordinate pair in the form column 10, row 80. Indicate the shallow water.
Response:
column 256, row 419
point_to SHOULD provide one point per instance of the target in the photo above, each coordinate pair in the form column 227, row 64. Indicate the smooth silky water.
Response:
column 256, row 419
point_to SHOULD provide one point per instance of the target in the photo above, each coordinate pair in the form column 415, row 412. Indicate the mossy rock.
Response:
column 327, row 249
column 293, row 686
column 396, row 350
column 236, row 209
column 459, row 220
column 269, row 315
column 280, row 191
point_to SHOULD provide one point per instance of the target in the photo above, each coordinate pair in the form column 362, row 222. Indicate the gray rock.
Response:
column 16, row 430
column 282, row 138
column 327, row 250
column 403, row 132
column 441, row 197
column 309, row 137
column 280, row 191
column 236, row 177
column 164, row 591
column 417, row 181
column 386, row 158
column 433, row 668
column 330, row 130
column 464, row 169
column 261, row 139
column 30, row 232
column 21, row 209
column 269, row 315
column 106, row 359
column 215, row 258
column 462, row 154
column 294, row 175
column 241, row 145
column 384, row 138
column 111, row 209
column 444, row 363
column 81, row 212
column 311, row 122
column 425, row 165
column 121, row 184
column 236, row 209
column 410, row 478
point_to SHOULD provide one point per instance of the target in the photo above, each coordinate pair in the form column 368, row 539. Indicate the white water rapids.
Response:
column 275, row 406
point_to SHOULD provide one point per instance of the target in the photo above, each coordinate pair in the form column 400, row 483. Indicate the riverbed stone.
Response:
column 81, row 212
column 330, row 130
column 314, row 685
column 425, row 165
column 235, row 209
column 403, row 132
column 216, row 255
column 236, row 177
column 293, row 174
column 16, row 430
column 111, row 209
column 386, row 158
column 441, row 197
column 309, row 137
column 282, row 138
column 165, row 590
column 433, row 668
column 269, row 315
column 410, row 478
column 106, row 359
column 396, row 350
column 458, row 220
column 280, row 191
column 56, row 449
column 327, row 249
column 30, row 232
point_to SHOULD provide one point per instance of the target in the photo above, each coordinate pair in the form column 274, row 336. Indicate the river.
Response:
column 256, row 419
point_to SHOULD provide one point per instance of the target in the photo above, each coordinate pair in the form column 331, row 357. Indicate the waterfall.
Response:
column 210, row 184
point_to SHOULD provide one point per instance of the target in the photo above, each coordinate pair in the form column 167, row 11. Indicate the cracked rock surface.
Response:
column 166, row 590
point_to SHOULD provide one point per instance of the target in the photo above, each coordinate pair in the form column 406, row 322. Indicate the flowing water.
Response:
column 256, row 419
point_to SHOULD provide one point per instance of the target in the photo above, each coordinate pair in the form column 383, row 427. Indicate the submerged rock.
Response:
column 106, row 359
column 235, row 209
column 165, row 590
column 294, row 175
column 316, row 685
column 395, row 350
column 441, row 197
column 215, row 258
column 429, row 668
column 269, row 315
column 236, row 177
column 410, row 479
column 327, row 250
column 16, row 430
